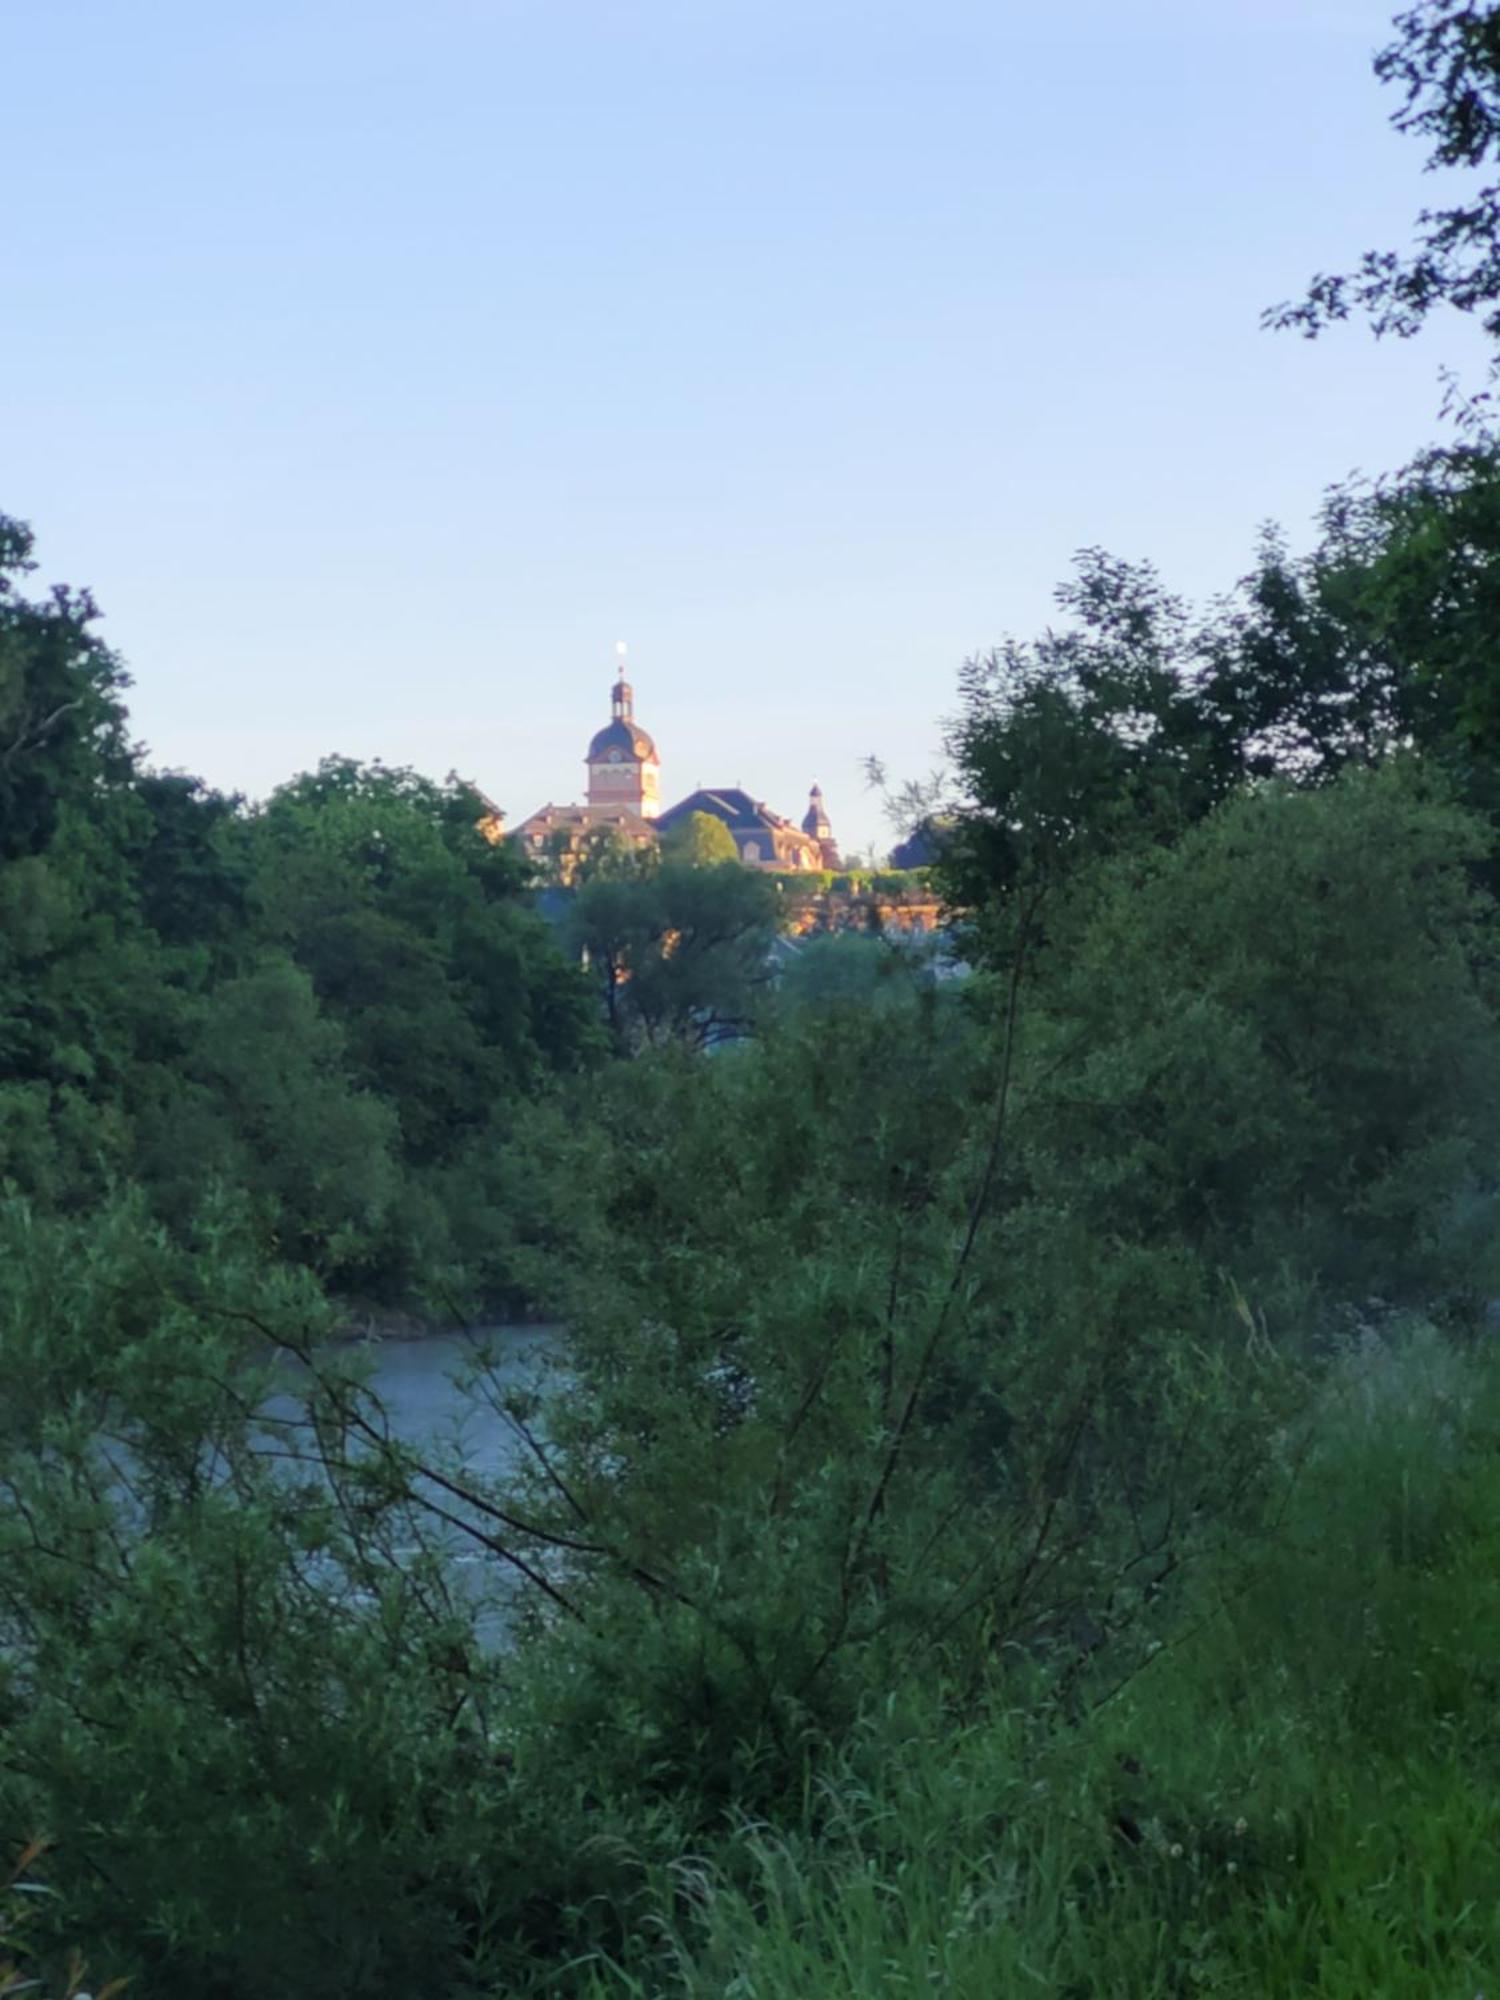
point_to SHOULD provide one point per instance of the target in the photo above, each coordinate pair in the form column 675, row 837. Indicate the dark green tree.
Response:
column 1406, row 575
column 81, row 984
column 1123, row 731
column 261, row 1099
column 1379, row 638
column 191, row 863
column 679, row 955
column 416, row 933
column 1087, row 741
column 62, row 725
column 1276, row 1043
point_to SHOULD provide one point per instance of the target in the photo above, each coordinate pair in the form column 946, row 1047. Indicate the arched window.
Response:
column 750, row 851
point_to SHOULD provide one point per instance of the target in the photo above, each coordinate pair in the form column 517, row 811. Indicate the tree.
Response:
column 848, row 969
column 191, row 862
column 262, row 1100
column 680, row 955
column 575, row 855
column 1091, row 739
column 1275, row 1043
column 1445, row 59
column 702, row 840
column 920, row 847
column 1380, row 638
column 82, row 984
column 416, row 934
column 1122, row 732
column 219, row 1693
column 62, row 725
column 1410, row 570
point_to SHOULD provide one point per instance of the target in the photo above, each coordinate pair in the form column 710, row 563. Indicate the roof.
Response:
column 815, row 821
column 546, row 819
column 739, row 812
column 626, row 737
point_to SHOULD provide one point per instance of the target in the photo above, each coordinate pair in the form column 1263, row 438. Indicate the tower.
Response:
column 623, row 767
column 815, row 824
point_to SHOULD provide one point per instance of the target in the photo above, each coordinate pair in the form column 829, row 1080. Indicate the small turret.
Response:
column 817, row 826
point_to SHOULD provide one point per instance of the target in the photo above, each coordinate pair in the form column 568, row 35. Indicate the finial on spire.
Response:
column 622, row 701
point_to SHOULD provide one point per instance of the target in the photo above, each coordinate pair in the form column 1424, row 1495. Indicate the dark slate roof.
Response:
column 739, row 812
column 622, row 735
column 815, row 821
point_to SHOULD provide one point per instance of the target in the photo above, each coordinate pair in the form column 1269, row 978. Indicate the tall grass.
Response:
column 1297, row 1794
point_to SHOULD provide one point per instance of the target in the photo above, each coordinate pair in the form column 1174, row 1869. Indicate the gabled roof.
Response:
column 739, row 812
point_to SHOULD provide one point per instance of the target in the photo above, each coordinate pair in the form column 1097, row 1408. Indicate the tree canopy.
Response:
column 680, row 954
column 1445, row 62
column 702, row 840
column 329, row 1003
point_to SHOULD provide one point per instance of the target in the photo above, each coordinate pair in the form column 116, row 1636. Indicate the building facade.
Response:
column 762, row 838
column 558, row 838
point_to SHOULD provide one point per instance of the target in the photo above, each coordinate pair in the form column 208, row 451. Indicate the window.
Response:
column 750, row 851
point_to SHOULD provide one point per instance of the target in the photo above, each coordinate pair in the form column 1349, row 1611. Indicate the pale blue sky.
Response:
column 380, row 365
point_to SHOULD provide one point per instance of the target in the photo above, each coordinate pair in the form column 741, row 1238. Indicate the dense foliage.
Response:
column 678, row 952
column 966, row 1379
column 333, row 1003
column 1016, row 1503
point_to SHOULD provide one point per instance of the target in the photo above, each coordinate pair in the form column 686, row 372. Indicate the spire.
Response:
column 622, row 701
column 816, row 825
column 623, row 766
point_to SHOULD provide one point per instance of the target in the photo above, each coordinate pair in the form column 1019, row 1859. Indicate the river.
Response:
column 420, row 1383
column 416, row 1380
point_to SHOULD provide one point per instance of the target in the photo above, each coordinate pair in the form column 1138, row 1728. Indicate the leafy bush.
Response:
column 1276, row 1043
column 1292, row 1795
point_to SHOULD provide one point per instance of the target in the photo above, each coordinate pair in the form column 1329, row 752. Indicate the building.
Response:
column 557, row 838
column 762, row 837
column 623, row 805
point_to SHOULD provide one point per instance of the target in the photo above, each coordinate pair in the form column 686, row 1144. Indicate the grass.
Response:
column 1299, row 1795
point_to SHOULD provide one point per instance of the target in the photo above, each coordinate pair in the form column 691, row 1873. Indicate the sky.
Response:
column 380, row 366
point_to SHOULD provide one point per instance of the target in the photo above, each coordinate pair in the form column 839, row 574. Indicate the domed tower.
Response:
column 816, row 825
column 624, row 769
